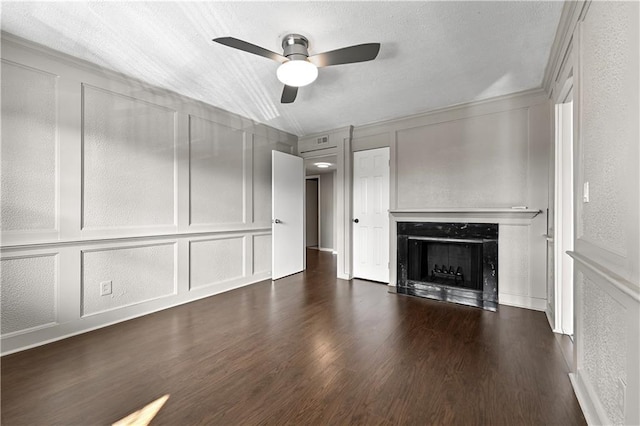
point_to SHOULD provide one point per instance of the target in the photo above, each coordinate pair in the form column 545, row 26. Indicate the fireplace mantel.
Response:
column 521, row 257
column 465, row 213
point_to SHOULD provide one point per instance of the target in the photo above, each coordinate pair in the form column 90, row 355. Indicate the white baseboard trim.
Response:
column 552, row 324
column 589, row 409
column 53, row 333
column 344, row 276
column 522, row 302
column 327, row 249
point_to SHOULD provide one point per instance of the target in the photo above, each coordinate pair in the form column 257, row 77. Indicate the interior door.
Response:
column 371, row 214
column 287, row 219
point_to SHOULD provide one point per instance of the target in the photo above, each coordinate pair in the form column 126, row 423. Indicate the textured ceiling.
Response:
column 433, row 54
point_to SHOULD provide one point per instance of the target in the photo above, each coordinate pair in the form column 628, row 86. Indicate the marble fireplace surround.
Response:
column 413, row 278
column 515, row 235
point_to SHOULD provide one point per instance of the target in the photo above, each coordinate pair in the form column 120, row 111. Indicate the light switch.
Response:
column 585, row 192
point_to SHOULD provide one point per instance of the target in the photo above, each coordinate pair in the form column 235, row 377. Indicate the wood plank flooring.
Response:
column 308, row 349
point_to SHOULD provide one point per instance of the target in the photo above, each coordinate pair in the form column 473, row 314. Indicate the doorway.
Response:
column 563, row 217
column 312, row 207
column 321, row 203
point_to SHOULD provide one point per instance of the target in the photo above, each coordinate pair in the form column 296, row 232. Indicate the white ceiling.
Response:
column 433, row 54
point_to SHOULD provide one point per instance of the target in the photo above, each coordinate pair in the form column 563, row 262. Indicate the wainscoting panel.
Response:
column 217, row 173
column 513, row 255
column 128, row 162
column 216, row 260
column 155, row 196
column 262, row 254
column 608, row 345
column 29, row 149
column 262, row 179
column 29, row 289
column 605, row 346
column 137, row 274
column 464, row 163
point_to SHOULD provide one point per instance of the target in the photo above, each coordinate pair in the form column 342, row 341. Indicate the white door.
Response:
column 371, row 214
column 287, row 208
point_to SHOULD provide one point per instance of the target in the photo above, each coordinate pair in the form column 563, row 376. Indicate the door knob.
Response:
column 277, row 221
column 356, row 220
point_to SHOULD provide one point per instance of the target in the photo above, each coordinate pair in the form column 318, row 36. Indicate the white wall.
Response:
column 107, row 179
column 327, row 211
column 488, row 155
column 601, row 56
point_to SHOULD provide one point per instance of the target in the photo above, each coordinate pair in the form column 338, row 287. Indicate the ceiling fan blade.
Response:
column 251, row 48
column 288, row 94
column 346, row 55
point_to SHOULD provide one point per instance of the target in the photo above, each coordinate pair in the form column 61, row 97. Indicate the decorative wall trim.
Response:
column 55, row 304
column 571, row 12
column 243, row 272
column 620, row 283
column 458, row 213
column 522, row 301
column 511, row 101
column 71, row 241
column 83, row 253
column 582, row 395
column 118, row 240
column 21, row 343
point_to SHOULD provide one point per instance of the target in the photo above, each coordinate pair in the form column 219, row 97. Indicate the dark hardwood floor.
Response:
column 307, row 349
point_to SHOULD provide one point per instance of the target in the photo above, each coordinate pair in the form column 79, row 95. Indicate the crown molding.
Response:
column 572, row 12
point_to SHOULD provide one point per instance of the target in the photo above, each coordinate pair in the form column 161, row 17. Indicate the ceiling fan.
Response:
column 297, row 68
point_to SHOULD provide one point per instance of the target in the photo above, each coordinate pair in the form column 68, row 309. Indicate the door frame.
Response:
column 306, row 178
column 343, row 178
column 563, row 220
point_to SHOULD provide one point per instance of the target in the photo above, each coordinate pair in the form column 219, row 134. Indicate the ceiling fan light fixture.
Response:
column 297, row 73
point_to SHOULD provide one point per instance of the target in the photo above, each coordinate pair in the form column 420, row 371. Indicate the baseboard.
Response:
column 327, row 249
column 589, row 409
column 392, row 288
column 552, row 324
column 53, row 333
column 522, row 302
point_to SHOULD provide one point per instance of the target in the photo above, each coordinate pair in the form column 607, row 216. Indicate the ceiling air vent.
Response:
column 322, row 140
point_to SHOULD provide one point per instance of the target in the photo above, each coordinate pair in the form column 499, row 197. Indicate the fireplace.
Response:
column 454, row 262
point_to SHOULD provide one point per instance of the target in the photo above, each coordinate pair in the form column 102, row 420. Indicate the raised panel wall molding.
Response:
column 30, row 150
column 216, row 260
column 123, row 198
column 217, row 173
column 616, row 280
column 29, row 289
column 136, row 274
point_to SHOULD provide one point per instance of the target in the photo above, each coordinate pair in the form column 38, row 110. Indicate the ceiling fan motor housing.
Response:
column 295, row 47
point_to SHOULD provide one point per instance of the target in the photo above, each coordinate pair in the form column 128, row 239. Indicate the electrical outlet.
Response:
column 105, row 288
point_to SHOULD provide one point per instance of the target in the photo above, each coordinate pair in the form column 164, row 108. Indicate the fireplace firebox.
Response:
column 454, row 262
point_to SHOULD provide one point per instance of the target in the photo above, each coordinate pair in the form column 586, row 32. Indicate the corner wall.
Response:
column 460, row 162
column 107, row 182
column 599, row 52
